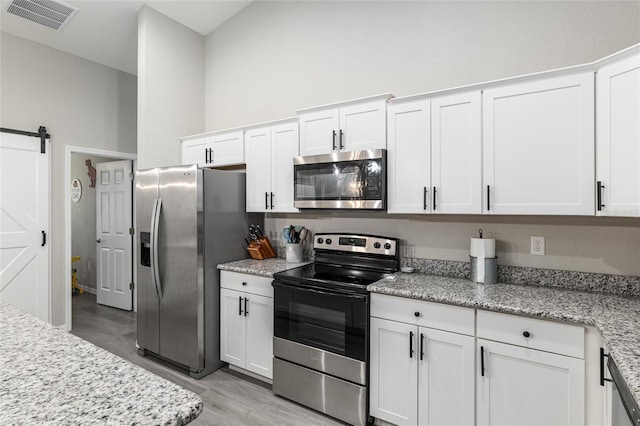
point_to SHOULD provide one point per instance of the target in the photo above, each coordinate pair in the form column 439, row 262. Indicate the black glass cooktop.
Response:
column 330, row 276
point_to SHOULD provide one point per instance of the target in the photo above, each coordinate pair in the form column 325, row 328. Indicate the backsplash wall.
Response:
column 586, row 244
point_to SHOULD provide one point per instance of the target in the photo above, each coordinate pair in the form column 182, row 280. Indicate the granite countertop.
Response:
column 264, row 268
column 617, row 318
column 50, row 376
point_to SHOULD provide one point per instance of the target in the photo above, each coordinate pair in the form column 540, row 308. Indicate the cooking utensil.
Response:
column 303, row 234
column 285, row 234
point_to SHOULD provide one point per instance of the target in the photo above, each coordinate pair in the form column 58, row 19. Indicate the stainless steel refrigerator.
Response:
column 188, row 220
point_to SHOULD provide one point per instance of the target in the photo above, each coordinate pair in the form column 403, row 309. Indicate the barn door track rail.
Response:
column 41, row 133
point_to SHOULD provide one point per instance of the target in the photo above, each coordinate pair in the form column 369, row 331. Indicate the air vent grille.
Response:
column 50, row 13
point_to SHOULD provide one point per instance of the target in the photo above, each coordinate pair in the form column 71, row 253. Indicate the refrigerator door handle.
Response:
column 155, row 224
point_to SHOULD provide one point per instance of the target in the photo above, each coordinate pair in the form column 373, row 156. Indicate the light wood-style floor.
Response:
column 229, row 398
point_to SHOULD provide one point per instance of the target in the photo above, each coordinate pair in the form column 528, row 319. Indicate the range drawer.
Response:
column 456, row 319
column 246, row 283
column 564, row 339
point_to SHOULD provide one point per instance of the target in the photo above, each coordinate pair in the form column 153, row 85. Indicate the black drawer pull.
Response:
column 526, row 334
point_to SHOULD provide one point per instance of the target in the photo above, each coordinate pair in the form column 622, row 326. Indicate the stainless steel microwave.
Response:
column 341, row 180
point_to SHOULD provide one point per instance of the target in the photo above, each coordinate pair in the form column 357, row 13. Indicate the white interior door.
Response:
column 113, row 240
column 24, row 224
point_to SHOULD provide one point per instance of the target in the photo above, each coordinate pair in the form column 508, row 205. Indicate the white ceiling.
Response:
column 106, row 31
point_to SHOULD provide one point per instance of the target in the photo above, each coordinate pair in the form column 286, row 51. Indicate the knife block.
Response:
column 261, row 249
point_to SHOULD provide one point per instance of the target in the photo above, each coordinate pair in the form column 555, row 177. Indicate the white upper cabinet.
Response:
column 618, row 138
column 214, row 149
column 435, row 154
column 456, row 150
column 347, row 126
column 409, row 156
column 269, row 154
column 538, row 147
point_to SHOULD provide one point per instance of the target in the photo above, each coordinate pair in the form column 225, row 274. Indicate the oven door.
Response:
column 323, row 319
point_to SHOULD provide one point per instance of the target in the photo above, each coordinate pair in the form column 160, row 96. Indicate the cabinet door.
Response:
column 393, row 387
column 259, row 319
column 539, row 147
column 284, row 146
column 363, row 126
column 618, row 142
column 446, row 378
column 258, row 150
column 195, row 151
column 228, row 149
column 456, row 143
column 523, row 386
column 409, row 157
column 232, row 327
column 318, row 132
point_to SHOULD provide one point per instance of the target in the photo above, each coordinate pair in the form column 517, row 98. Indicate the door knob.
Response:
column 98, row 241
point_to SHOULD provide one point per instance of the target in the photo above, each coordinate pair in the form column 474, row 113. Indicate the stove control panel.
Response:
column 356, row 243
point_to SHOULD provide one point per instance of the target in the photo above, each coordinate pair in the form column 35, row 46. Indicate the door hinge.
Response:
column 131, row 176
column 132, row 286
column 132, row 231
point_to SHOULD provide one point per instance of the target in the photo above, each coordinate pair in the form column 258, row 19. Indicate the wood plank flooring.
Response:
column 230, row 398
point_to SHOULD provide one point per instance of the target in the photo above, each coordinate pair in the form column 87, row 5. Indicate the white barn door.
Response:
column 113, row 240
column 24, row 224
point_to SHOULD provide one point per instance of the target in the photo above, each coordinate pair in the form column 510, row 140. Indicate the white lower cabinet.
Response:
column 524, row 385
column 420, row 375
column 246, row 322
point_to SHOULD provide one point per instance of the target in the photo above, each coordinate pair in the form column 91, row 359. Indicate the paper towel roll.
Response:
column 483, row 248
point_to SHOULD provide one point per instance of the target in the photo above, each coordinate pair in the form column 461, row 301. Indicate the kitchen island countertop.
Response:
column 263, row 268
column 50, row 376
column 617, row 318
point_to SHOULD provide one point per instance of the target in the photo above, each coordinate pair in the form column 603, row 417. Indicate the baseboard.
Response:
column 250, row 374
column 86, row 289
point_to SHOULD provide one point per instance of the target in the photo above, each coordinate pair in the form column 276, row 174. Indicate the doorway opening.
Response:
column 80, row 219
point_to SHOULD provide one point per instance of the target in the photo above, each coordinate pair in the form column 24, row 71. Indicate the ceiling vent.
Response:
column 50, row 13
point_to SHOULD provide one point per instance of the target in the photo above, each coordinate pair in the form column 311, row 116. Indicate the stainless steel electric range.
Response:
column 321, row 324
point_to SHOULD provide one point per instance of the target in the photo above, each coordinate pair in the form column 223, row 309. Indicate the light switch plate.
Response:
column 537, row 246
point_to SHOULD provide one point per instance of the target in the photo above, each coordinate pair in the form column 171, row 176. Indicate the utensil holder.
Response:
column 490, row 270
column 294, row 253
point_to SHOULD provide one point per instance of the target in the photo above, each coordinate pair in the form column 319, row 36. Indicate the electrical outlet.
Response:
column 537, row 246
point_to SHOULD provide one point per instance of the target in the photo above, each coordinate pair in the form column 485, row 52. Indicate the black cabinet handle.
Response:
column 411, row 344
column 599, row 196
column 416, row 314
column 246, row 311
column 206, row 155
column 482, row 361
column 244, row 283
column 434, row 199
column 488, row 197
column 341, row 139
column 240, row 305
column 421, row 346
column 602, row 378
column 424, row 199
column 334, row 139
column 526, row 334
column 44, row 239
column 266, row 201
column 271, row 200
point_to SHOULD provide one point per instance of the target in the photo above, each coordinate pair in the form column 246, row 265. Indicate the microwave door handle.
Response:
column 322, row 292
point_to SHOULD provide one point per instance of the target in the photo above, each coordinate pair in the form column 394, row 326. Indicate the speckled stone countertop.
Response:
column 49, row 376
column 264, row 268
column 617, row 318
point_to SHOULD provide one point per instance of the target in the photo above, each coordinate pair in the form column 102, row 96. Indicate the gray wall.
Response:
column 275, row 57
column 82, row 104
column 170, row 87
column 83, row 221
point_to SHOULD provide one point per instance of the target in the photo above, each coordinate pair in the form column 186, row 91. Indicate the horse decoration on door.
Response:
column 92, row 173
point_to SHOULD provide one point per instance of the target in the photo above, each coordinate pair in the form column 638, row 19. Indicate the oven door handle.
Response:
column 316, row 290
